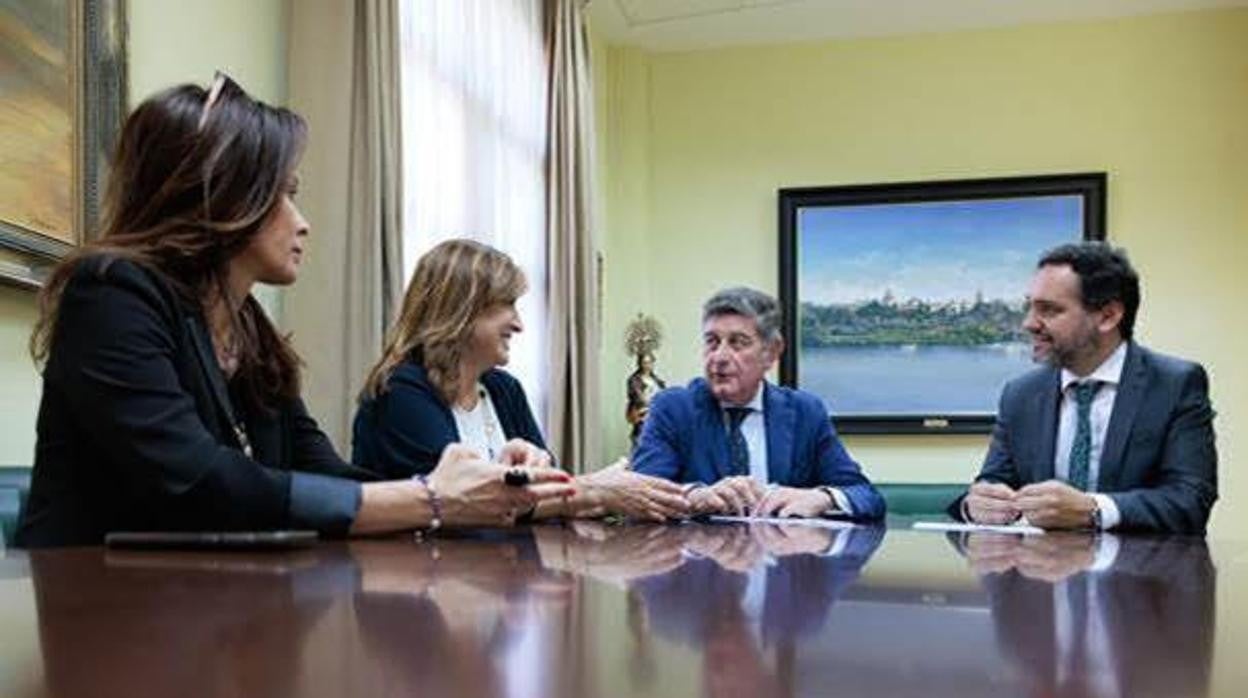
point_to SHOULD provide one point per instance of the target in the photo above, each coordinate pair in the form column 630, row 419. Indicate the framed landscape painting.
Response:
column 903, row 303
column 62, row 98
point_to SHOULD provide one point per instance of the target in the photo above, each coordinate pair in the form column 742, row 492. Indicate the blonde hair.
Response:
column 453, row 285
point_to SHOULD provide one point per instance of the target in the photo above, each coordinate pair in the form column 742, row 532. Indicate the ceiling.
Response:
column 677, row 25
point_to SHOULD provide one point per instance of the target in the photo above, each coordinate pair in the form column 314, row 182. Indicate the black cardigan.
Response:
column 134, row 427
column 403, row 431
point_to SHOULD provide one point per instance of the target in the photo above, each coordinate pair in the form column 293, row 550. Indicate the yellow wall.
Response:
column 698, row 142
column 18, row 376
column 174, row 41
column 171, row 41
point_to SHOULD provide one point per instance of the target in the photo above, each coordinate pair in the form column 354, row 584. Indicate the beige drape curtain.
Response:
column 572, row 248
column 374, row 285
column 344, row 67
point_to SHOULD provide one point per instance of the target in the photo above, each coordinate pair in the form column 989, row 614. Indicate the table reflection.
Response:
column 741, row 595
column 379, row 617
column 153, row 624
column 1089, row 615
column 473, row 616
column 590, row 609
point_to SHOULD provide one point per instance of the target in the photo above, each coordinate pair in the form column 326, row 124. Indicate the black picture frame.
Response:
column 1079, row 197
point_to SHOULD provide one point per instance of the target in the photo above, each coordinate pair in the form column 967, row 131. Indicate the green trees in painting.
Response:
column 885, row 321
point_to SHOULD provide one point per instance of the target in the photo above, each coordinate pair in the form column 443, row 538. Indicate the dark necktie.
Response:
column 1081, row 448
column 738, row 450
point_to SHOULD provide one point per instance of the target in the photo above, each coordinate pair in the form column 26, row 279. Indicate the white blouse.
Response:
column 479, row 428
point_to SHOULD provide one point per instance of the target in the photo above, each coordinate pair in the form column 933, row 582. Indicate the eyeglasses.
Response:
column 219, row 82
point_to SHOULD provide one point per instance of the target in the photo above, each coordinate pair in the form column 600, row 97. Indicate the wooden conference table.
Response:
column 591, row 609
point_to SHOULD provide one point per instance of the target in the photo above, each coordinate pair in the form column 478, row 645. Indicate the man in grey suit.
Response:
column 1108, row 434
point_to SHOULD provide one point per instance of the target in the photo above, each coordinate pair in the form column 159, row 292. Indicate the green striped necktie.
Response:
column 1081, row 448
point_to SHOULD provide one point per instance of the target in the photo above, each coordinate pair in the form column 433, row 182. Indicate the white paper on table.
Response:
column 785, row 521
column 1017, row 529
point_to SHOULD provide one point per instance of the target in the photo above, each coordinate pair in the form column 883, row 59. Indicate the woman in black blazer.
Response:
column 440, row 381
column 170, row 402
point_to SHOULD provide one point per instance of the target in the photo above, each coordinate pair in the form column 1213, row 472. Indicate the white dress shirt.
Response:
column 754, row 429
column 1109, row 373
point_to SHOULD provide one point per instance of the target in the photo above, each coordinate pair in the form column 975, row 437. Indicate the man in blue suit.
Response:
column 1108, row 434
column 741, row 444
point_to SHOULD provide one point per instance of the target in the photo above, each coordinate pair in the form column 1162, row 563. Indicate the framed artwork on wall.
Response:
column 903, row 303
column 62, row 100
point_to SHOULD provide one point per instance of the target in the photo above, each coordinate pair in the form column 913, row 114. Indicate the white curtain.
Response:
column 474, row 79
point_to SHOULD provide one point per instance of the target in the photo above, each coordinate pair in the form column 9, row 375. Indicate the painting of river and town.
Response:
column 916, row 308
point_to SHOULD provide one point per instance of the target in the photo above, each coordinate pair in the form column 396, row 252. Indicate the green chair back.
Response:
column 915, row 501
column 14, row 486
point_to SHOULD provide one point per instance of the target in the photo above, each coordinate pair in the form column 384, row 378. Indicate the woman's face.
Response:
column 489, row 344
column 274, row 255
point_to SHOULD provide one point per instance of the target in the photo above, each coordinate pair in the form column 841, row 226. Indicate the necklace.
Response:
column 478, row 426
column 487, row 418
column 227, row 357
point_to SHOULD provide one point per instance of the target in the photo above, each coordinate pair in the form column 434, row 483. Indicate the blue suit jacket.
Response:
column 684, row 439
column 1159, row 462
column 403, row 431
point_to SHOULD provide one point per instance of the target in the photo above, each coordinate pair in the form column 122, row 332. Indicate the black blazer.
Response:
column 134, row 428
column 403, row 431
column 1159, row 462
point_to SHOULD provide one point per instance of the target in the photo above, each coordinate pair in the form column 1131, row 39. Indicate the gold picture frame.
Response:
column 61, row 105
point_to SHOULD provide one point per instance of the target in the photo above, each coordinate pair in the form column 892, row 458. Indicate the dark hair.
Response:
column 1105, row 275
column 194, row 178
column 749, row 303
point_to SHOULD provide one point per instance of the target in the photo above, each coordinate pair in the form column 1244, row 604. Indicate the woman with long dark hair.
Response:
column 170, row 401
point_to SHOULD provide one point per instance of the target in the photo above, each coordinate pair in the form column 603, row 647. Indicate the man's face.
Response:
column 735, row 357
column 1063, row 333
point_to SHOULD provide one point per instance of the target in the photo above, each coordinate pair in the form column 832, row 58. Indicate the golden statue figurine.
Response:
column 642, row 339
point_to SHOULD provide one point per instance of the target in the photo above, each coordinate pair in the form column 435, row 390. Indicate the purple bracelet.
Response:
column 435, row 503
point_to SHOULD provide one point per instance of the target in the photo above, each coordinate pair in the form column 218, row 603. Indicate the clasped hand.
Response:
column 617, row 490
column 743, row 495
column 473, row 491
column 1048, row 504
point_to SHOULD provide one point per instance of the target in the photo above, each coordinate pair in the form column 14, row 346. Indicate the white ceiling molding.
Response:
column 638, row 13
column 679, row 25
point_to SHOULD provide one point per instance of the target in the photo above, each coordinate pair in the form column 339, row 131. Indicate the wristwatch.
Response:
column 833, row 507
column 1096, row 517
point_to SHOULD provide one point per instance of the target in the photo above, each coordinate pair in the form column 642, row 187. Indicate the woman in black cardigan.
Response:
column 170, row 402
column 439, row 382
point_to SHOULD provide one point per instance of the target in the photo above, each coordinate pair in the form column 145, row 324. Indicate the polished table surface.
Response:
column 592, row 609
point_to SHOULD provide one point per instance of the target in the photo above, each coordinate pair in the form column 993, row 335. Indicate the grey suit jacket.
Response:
column 1159, row 462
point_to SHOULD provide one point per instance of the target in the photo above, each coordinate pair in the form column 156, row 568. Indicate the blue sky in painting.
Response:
column 936, row 251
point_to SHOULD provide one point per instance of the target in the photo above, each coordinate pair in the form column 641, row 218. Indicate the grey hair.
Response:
column 749, row 303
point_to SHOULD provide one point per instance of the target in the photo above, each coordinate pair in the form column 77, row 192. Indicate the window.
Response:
column 474, row 145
